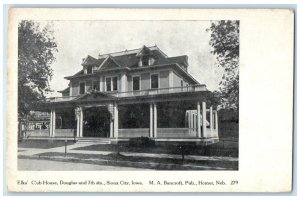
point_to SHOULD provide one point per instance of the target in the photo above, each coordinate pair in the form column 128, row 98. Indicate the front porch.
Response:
column 165, row 117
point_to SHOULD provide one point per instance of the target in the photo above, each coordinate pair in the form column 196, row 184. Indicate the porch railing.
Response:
column 60, row 99
column 190, row 88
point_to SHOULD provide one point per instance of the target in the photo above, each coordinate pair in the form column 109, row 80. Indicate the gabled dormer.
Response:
column 146, row 57
column 89, row 64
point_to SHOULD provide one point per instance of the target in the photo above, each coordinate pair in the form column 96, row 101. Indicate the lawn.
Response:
column 210, row 150
column 143, row 162
column 43, row 144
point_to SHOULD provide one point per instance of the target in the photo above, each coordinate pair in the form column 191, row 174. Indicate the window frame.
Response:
column 94, row 84
column 84, row 82
column 111, row 83
column 158, row 84
column 143, row 58
column 134, row 76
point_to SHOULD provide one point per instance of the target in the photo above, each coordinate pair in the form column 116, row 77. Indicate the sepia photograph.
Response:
column 128, row 95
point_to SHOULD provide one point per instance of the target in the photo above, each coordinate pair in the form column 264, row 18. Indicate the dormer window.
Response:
column 89, row 69
column 145, row 61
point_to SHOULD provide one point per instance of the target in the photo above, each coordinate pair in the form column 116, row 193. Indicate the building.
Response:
column 133, row 93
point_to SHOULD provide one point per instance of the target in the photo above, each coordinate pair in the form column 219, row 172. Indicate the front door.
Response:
column 96, row 122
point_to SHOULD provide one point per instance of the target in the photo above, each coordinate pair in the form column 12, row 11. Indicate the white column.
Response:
column 204, row 119
column 211, row 118
column 101, row 84
column 54, row 123
column 198, row 120
column 216, row 123
column 151, row 121
column 51, row 123
column 116, row 121
column 154, row 120
column 81, row 123
column 77, row 122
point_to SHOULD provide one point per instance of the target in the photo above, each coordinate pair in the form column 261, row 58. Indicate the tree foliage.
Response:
column 225, row 42
column 36, row 49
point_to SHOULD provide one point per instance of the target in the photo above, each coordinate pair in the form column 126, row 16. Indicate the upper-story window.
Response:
column 136, row 83
column 96, row 85
column 82, row 88
column 154, row 81
column 89, row 69
column 111, row 83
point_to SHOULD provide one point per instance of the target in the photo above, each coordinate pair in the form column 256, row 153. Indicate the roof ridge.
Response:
column 125, row 51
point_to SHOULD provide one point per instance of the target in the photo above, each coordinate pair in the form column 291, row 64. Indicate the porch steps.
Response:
column 94, row 140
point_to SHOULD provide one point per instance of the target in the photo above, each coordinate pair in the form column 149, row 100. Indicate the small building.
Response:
column 134, row 93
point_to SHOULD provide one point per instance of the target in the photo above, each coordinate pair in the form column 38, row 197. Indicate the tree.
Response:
column 36, row 48
column 224, row 39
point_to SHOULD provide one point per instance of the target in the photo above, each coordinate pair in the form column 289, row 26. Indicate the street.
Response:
column 46, row 165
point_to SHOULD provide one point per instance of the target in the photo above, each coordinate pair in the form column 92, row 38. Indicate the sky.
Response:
column 77, row 39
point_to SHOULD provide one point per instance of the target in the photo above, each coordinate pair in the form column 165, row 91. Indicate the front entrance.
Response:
column 96, row 122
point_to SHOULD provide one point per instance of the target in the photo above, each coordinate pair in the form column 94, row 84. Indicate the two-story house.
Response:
column 133, row 93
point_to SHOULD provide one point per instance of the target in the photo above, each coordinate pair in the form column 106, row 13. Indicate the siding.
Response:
column 145, row 81
column 75, row 88
column 177, row 81
column 129, row 86
column 164, row 79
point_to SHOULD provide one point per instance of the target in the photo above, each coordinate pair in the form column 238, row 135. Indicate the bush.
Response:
column 141, row 142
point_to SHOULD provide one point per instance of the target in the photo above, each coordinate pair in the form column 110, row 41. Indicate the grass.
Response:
column 43, row 144
column 145, row 162
column 211, row 150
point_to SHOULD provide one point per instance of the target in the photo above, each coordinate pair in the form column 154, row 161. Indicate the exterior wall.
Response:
column 164, row 79
column 145, row 81
column 75, row 88
column 177, row 80
column 38, row 133
column 88, row 85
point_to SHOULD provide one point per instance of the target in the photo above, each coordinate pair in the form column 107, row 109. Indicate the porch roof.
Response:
column 146, row 96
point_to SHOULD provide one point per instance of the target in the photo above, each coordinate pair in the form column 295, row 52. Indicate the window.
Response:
column 82, row 88
column 154, row 81
column 111, row 84
column 96, row 85
column 89, row 69
column 115, row 83
column 108, row 84
column 136, row 83
column 145, row 61
column 181, row 83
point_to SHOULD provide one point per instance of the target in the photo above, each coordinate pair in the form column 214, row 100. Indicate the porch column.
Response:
column 203, row 119
column 77, row 112
column 151, row 121
column 51, row 123
column 110, row 108
column 81, row 122
column 198, row 120
column 101, row 84
column 155, row 120
column 116, row 121
column 216, row 123
column 211, row 118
